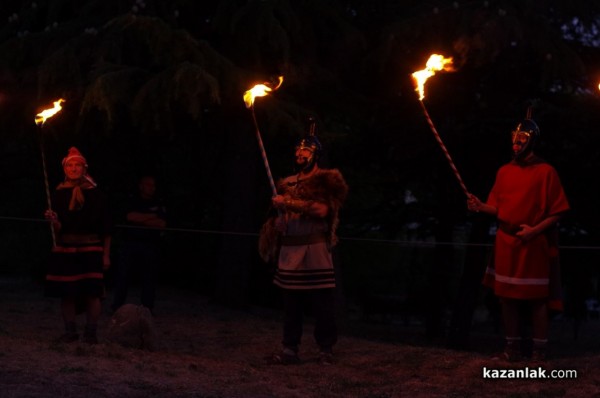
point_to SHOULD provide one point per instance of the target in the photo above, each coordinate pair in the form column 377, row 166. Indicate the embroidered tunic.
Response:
column 75, row 266
column 524, row 195
column 304, row 260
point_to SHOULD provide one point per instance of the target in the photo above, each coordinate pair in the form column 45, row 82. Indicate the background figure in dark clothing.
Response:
column 140, row 252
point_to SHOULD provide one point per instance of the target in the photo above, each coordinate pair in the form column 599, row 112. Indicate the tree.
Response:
column 159, row 84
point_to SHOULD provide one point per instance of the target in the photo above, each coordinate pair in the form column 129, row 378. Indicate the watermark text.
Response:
column 529, row 373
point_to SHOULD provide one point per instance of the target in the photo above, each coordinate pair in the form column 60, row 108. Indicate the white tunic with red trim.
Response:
column 305, row 260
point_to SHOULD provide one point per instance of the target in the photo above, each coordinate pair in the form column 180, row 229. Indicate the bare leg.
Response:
column 510, row 315
column 540, row 329
column 94, row 307
column 540, row 319
column 67, row 307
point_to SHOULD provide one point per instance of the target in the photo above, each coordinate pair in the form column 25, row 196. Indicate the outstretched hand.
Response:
column 473, row 203
column 51, row 215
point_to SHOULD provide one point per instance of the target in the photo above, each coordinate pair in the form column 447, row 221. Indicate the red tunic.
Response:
column 524, row 195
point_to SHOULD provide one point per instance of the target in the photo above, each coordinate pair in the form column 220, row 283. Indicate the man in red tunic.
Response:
column 528, row 200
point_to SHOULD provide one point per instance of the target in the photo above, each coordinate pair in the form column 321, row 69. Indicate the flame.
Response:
column 41, row 117
column 260, row 90
column 434, row 64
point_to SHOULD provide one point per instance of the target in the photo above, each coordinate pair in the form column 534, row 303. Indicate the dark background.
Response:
column 157, row 86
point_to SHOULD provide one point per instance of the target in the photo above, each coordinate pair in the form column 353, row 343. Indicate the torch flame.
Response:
column 434, row 64
column 260, row 90
column 41, row 117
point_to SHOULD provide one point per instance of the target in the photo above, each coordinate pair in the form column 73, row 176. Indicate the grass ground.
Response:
column 210, row 351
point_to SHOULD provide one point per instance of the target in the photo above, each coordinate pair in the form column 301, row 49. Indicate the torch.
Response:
column 261, row 90
column 436, row 63
column 40, row 119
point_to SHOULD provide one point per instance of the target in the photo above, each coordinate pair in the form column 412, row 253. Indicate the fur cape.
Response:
column 326, row 186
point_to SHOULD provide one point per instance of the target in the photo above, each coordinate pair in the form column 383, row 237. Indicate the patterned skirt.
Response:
column 75, row 271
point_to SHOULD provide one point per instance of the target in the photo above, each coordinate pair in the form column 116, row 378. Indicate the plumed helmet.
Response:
column 524, row 138
column 529, row 126
column 311, row 143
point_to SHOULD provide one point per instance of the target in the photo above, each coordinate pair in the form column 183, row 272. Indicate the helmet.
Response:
column 524, row 138
column 312, row 144
column 529, row 126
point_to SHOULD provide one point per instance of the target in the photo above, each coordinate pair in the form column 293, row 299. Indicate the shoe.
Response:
column 326, row 358
column 512, row 351
column 508, row 356
column 538, row 355
column 89, row 335
column 285, row 357
column 90, row 339
column 512, row 356
column 67, row 338
column 539, row 350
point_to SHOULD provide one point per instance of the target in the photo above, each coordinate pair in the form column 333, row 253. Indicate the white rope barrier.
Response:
column 409, row 243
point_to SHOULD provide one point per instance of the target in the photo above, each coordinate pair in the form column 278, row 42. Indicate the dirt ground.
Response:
column 209, row 351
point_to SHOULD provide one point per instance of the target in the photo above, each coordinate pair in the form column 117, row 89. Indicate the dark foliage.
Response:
column 157, row 85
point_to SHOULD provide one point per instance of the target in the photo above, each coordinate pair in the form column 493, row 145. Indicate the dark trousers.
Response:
column 137, row 259
column 322, row 304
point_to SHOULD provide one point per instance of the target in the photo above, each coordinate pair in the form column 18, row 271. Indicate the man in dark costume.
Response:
column 528, row 200
column 300, row 239
column 140, row 253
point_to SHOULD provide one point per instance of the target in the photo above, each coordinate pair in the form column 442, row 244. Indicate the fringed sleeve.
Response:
column 329, row 187
column 269, row 241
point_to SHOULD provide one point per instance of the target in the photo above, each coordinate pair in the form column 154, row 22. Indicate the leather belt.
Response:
column 76, row 239
column 509, row 229
column 301, row 240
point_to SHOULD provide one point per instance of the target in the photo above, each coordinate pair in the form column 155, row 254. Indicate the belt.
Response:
column 84, row 249
column 301, row 240
column 76, row 239
column 509, row 229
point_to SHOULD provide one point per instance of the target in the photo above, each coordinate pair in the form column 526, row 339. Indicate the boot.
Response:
column 539, row 350
column 70, row 334
column 512, row 349
column 89, row 335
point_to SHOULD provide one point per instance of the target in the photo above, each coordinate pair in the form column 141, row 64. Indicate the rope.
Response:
column 411, row 243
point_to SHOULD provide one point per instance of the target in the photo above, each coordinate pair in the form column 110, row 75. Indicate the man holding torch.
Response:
column 299, row 238
column 83, row 225
column 528, row 201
